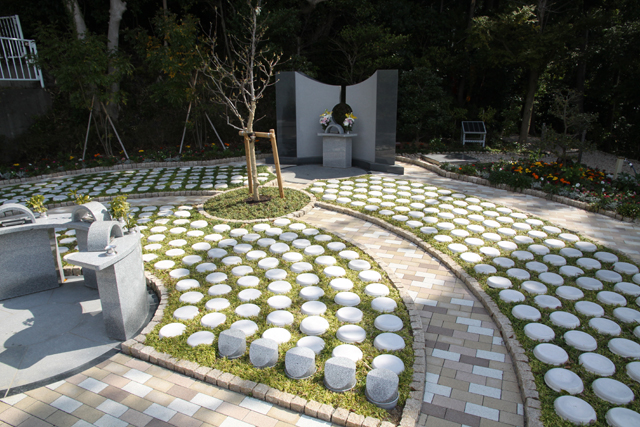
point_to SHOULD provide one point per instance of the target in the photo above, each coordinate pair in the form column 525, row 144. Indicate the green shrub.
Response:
column 630, row 210
column 468, row 170
column 515, row 180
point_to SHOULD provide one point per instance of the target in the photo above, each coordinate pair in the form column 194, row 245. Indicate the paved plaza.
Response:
column 470, row 379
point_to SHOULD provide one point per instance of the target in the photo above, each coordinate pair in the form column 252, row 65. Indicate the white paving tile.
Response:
column 480, row 331
column 428, row 397
column 82, row 423
column 460, row 301
column 256, row 405
column 491, row 355
column 55, row 385
column 138, row 376
column 485, row 390
column 12, row 400
column 206, row 401
column 93, row 385
column 138, row 389
column 307, row 421
column 112, row 408
column 184, row 407
column 66, row 404
column 487, row 372
column 441, row 390
column 482, row 411
column 443, row 354
column 109, row 421
column 160, row 412
column 468, row 321
column 232, row 422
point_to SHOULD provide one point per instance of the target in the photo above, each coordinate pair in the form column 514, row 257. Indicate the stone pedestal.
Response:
column 120, row 277
column 336, row 150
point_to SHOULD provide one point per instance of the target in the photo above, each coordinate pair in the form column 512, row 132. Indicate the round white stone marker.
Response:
column 547, row 301
column 533, row 287
column 608, row 276
column 526, row 312
column 187, row 312
column 499, row 282
column 200, row 338
column 511, row 296
column 376, row 290
column 388, row 323
column 539, row 332
column 172, row 330
column 627, row 289
column 186, row 284
column 611, row 298
column 191, row 297
column 552, row 279
column 249, row 295
column 560, row 379
column 550, row 354
column 384, row 305
column 351, row 333
column 279, row 302
column 388, row 341
column 564, row 319
column 612, row 391
column 280, row 318
column 627, row 315
column 390, row 362
column 349, row 351
column 589, row 309
column 314, row 343
column 213, row 320
column 247, row 310
column 580, row 340
column 622, row 417
column 279, row 335
column 589, row 283
column 605, row 326
column 625, row 348
column 311, row 293
column 349, row 314
column 597, row 364
column 569, row 293
column 625, row 268
column 575, row 410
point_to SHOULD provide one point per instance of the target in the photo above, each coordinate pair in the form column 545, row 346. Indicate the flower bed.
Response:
column 578, row 182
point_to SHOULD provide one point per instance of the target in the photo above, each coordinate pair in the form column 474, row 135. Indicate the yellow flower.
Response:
column 351, row 116
column 140, row 151
column 17, row 164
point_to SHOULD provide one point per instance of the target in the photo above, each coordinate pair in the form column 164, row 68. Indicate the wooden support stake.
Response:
column 276, row 160
column 248, row 157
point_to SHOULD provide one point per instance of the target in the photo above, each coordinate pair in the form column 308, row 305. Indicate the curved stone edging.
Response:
column 528, row 191
column 341, row 416
column 128, row 166
column 525, row 377
column 296, row 214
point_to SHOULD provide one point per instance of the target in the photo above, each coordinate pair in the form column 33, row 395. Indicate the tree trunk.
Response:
column 78, row 20
column 534, row 74
column 115, row 17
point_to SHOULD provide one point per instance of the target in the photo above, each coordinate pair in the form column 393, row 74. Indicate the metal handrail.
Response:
column 16, row 62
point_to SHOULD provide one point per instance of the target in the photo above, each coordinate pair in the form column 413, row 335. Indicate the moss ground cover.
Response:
column 233, row 204
column 457, row 224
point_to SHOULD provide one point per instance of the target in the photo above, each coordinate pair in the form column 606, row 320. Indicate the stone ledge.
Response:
column 527, row 387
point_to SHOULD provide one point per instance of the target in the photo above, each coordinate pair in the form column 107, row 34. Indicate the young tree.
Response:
column 239, row 81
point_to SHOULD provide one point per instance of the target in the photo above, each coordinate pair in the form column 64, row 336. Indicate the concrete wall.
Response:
column 361, row 98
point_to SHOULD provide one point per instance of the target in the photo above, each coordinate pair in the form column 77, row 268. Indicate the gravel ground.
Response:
column 594, row 159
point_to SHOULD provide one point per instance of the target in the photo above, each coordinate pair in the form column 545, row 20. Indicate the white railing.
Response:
column 16, row 60
column 17, row 53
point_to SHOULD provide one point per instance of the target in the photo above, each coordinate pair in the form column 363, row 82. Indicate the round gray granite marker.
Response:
column 551, row 354
column 300, row 363
column 263, row 353
column 382, row 388
column 339, row 374
column 597, row 364
column 575, row 410
column 560, row 379
column 232, row 343
column 539, row 332
column 612, row 391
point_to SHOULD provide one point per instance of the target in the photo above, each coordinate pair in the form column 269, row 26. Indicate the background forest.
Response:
column 505, row 62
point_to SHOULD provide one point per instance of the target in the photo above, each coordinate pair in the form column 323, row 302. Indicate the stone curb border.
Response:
column 129, row 166
column 341, row 416
column 528, row 390
column 296, row 214
column 528, row 191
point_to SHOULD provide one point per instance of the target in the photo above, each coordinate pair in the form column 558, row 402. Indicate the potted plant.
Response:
column 36, row 204
column 325, row 119
column 80, row 199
